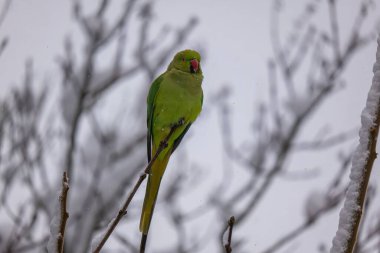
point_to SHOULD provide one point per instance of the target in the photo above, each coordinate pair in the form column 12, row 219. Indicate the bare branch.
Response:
column 32, row 245
column 123, row 210
column 4, row 11
column 306, row 224
column 334, row 29
column 328, row 142
column 230, row 227
column 3, row 45
column 125, row 242
column 64, row 213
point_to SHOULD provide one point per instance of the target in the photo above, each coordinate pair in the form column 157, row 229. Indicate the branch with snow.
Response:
column 58, row 224
column 362, row 162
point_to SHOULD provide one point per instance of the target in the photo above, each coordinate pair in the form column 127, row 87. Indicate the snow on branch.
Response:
column 362, row 162
column 58, row 223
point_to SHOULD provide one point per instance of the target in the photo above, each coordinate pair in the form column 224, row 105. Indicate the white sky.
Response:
column 235, row 36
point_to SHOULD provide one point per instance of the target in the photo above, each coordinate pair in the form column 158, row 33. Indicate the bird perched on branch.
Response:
column 174, row 102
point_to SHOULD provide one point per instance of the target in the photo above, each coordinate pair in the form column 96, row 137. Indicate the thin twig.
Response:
column 32, row 245
column 322, row 143
column 334, row 29
column 123, row 210
column 4, row 11
column 3, row 44
column 230, row 227
column 306, row 224
column 64, row 213
column 128, row 245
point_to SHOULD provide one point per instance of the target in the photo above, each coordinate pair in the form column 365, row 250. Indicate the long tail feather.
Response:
column 143, row 243
column 151, row 192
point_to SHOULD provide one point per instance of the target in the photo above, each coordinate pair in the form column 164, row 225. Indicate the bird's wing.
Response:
column 179, row 139
column 150, row 112
column 202, row 99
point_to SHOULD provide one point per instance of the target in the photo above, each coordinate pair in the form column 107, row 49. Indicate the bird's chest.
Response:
column 175, row 101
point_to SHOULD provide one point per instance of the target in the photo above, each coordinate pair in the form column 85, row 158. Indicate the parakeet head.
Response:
column 187, row 61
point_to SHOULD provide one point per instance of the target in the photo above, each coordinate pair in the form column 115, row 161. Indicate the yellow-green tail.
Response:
column 151, row 192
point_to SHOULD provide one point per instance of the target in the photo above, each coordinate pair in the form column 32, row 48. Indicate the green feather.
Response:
column 179, row 139
column 150, row 102
column 174, row 95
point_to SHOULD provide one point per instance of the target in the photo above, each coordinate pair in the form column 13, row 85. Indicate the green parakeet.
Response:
column 176, row 95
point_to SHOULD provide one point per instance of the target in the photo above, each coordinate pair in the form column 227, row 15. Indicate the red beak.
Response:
column 194, row 65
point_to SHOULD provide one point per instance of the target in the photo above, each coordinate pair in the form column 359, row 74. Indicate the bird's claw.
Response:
column 164, row 144
column 179, row 123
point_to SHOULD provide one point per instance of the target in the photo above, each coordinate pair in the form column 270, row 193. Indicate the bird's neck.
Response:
column 185, row 78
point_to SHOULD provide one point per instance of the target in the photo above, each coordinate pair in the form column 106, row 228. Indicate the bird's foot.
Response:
column 164, row 144
column 179, row 123
column 173, row 127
